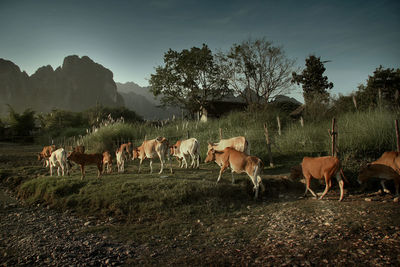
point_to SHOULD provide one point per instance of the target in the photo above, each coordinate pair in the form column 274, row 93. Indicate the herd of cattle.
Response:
column 233, row 153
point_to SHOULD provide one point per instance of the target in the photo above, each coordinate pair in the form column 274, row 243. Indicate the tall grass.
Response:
column 360, row 134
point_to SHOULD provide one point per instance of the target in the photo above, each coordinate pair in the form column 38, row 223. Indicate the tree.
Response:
column 21, row 125
column 382, row 89
column 315, row 85
column 189, row 79
column 257, row 70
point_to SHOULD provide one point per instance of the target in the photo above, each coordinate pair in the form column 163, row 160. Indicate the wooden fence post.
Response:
column 301, row 121
column 271, row 164
column 279, row 125
column 333, row 135
column 396, row 124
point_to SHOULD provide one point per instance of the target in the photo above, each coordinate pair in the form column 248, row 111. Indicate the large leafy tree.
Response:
column 257, row 70
column 382, row 88
column 315, row 84
column 188, row 79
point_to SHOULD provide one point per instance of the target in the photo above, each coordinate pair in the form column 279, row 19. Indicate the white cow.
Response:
column 58, row 159
column 238, row 143
column 121, row 157
column 183, row 148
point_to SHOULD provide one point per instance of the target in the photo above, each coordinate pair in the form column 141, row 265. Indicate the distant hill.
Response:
column 142, row 101
column 78, row 84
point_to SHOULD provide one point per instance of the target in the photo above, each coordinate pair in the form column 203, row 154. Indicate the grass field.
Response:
column 186, row 218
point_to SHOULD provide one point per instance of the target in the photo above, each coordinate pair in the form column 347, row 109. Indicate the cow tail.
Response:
column 344, row 177
column 247, row 147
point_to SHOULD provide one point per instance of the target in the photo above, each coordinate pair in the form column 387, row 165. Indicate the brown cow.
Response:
column 238, row 143
column 390, row 159
column 382, row 172
column 150, row 149
column 107, row 161
column 46, row 153
column 80, row 149
column 127, row 148
column 87, row 159
column 239, row 162
column 318, row 168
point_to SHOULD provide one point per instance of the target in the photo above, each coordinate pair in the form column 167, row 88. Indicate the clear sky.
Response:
column 131, row 37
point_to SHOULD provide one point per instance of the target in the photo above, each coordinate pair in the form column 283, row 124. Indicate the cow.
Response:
column 45, row 154
column 382, row 172
column 377, row 169
column 150, row 149
column 107, row 161
column 127, row 148
column 121, row 158
column 318, row 168
column 80, row 149
column 58, row 158
column 189, row 147
column 87, row 159
column 238, row 143
column 239, row 162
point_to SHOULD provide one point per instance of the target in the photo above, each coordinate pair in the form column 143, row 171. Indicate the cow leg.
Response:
column 396, row 185
column 223, row 168
column 341, row 183
column 140, row 165
column 327, row 185
column 184, row 162
column 82, row 171
column 308, row 179
column 384, row 187
column 151, row 166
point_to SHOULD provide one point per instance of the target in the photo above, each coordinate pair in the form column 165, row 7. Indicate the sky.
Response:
column 131, row 37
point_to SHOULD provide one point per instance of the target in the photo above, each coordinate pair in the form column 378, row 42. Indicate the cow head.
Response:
column 296, row 172
column 135, row 153
column 210, row 155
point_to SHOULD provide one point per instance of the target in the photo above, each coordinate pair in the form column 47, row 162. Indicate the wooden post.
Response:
column 279, row 125
column 333, row 135
column 301, row 121
column 355, row 101
column 271, row 164
column 396, row 124
column 220, row 133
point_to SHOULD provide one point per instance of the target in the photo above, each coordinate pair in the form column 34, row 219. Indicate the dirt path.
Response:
column 32, row 235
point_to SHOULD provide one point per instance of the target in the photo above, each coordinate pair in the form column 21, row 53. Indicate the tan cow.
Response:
column 127, row 148
column 45, row 154
column 377, row 169
column 239, row 162
column 238, row 143
column 107, row 161
column 87, row 159
column 318, row 168
column 189, row 147
column 150, row 149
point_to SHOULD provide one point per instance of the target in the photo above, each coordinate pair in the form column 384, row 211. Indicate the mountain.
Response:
column 143, row 102
column 78, row 84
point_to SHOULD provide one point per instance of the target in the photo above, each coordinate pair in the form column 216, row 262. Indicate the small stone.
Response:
column 368, row 199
